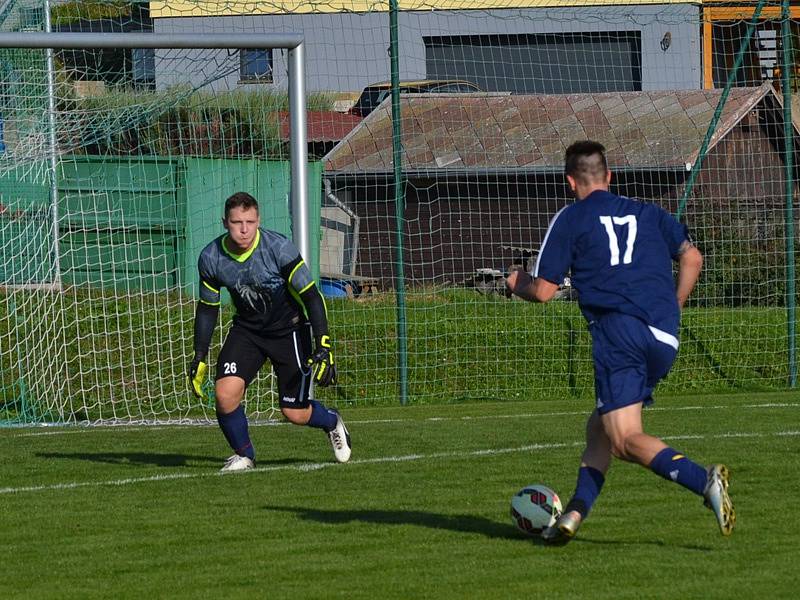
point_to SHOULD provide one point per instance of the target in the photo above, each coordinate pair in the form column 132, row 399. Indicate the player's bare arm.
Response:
column 530, row 289
column 690, row 262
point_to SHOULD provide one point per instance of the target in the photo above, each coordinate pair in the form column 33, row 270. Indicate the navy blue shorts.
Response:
column 630, row 358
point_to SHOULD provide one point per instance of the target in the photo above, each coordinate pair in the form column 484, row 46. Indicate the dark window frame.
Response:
column 245, row 63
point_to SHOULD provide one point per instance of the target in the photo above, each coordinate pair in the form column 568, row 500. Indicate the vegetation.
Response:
column 421, row 511
column 745, row 256
column 181, row 121
column 462, row 346
column 76, row 10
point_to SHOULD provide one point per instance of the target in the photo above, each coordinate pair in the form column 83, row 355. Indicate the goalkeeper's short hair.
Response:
column 240, row 200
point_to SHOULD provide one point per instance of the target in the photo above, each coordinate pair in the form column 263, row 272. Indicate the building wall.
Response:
column 347, row 51
column 456, row 225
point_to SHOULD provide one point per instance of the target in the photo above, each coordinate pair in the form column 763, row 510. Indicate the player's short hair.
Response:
column 585, row 161
column 239, row 200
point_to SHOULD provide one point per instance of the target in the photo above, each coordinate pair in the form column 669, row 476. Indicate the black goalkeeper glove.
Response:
column 322, row 363
column 197, row 377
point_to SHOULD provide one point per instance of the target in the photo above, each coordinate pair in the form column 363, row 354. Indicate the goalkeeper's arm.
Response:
column 317, row 314
column 323, row 354
column 205, row 319
column 302, row 286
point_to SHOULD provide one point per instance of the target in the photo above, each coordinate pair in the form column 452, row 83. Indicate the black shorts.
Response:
column 244, row 353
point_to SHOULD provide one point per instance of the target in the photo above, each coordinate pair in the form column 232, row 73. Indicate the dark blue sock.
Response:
column 674, row 466
column 234, row 428
column 587, row 489
column 321, row 417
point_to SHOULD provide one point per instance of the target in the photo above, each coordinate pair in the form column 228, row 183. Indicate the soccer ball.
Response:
column 535, row 507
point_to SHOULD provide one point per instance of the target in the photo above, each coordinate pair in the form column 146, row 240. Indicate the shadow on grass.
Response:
column 153, row 459
column 661, row 543
column 460, row 523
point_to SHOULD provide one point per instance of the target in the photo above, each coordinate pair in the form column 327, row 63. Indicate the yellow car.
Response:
column 375, row 93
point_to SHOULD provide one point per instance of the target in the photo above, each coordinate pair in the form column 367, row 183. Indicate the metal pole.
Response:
column 53, row 142
column 186, row 41
column 299, row 152
column 788, row 136
column 399, row 206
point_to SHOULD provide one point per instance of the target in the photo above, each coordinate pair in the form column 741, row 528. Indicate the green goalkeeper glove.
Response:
column 322, row 363
column 197, row 376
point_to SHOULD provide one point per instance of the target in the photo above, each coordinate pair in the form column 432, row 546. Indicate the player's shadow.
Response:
column 135, row 458
column 152, row 459
column 659, row 543
column 460, row 523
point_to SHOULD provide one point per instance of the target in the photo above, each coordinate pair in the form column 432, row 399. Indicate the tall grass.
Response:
column 180, row 122
column 116, row 355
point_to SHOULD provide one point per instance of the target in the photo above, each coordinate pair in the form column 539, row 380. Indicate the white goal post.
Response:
column 293, row 42
column 140, row 376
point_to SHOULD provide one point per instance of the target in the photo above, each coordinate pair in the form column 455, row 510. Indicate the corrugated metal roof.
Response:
column 657, row 129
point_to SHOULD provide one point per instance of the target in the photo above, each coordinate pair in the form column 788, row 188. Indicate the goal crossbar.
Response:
column 293, row 42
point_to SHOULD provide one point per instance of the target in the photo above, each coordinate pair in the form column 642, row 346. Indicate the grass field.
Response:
column 421, row 511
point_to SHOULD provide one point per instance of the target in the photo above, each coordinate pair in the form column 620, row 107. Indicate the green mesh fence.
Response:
column 97, row 277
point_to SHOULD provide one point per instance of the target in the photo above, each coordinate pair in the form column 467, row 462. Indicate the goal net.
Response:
column 115, row 162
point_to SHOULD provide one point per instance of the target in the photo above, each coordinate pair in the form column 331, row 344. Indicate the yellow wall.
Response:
column 197, row 8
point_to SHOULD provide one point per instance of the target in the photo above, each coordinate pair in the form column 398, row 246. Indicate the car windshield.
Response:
column 372, row 96
column 369, row 99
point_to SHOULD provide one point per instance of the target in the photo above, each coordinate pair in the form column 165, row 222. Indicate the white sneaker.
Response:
column 340, row 440
column 717, row 498
column 563, row 530
column 238, row 463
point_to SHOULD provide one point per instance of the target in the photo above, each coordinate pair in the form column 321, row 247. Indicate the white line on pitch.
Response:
column 366, row 461
column 301, row 468
column 89, row 429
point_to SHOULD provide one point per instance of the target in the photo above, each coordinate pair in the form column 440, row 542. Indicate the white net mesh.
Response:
column 98, row 276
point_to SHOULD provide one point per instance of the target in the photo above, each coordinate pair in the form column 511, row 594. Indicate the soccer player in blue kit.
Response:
column 277, row 306
column 619, row 254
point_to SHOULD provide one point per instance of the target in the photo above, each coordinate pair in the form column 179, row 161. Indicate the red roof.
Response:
column 322, row 126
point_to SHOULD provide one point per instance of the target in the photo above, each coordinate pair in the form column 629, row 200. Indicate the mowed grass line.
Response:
column 433, row 525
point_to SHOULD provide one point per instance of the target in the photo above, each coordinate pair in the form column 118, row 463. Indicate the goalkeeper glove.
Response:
column 197, row 376
column 322, row 362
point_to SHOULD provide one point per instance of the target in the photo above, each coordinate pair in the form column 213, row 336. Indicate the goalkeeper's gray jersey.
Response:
column 265, row 282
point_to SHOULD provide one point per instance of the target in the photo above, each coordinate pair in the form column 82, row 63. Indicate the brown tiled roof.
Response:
column 658, row 129
column 322, row 126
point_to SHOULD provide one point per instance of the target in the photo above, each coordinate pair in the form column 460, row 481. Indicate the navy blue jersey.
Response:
column 619, row 253
column 265, row 282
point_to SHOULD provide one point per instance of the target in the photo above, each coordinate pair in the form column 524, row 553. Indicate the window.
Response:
column 539, row 63
column 255, row 66
column 144, row 68
column 762, row 60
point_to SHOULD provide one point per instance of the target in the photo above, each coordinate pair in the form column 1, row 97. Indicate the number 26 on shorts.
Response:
column 229, row 368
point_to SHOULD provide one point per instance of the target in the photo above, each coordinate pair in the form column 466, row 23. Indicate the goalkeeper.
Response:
column 278, row 306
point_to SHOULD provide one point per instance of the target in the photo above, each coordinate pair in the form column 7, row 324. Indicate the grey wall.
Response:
column 345, row 52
